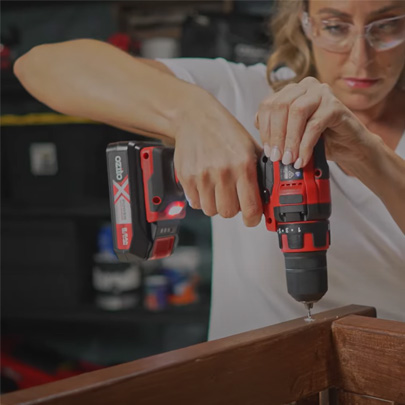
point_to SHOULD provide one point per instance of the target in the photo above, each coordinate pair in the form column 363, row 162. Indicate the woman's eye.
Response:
column 336, row 29
column 387, row 26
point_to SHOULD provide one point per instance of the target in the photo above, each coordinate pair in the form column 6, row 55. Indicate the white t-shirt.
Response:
column 366, row 259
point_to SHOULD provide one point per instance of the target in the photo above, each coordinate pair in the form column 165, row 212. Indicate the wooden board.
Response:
column 348, row 398
column 273, row 365
column 371, row 354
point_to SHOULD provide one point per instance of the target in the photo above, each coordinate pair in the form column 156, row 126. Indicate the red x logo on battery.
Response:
column 121, row 189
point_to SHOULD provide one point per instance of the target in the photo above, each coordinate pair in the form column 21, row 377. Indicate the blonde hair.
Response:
column 291, row 46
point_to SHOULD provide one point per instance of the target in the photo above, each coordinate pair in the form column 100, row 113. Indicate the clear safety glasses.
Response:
column 339, row 36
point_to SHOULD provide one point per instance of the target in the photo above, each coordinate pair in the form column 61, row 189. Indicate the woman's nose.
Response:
column 362, row 53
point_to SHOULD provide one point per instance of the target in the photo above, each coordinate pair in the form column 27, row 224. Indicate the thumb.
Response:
column 262, row 123
column 257, row 121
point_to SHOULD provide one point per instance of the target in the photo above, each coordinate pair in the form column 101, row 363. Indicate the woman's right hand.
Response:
column 216, row 162
column 215, row 157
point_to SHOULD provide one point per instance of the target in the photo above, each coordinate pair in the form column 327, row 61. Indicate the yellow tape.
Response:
column 42, row 119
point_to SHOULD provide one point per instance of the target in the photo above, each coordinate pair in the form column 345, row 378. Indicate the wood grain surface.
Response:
column 348, row 398
column 371, row 354
column 273, row 365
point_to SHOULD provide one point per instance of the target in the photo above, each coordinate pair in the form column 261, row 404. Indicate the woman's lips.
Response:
column 354, row 82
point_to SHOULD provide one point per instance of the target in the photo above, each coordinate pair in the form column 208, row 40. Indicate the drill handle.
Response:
column 319, row 159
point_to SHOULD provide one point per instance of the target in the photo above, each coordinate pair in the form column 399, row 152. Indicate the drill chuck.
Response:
column 306, row 273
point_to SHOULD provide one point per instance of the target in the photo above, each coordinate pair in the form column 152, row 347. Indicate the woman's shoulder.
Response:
column 219, row 75
column 282, row 72
column 209, row 66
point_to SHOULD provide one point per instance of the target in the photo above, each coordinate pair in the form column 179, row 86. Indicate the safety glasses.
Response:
column 339, row 36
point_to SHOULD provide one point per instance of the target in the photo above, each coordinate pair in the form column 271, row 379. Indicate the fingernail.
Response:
column 190, row 203
column 188, row 200
column 298, row 163
column 287, row 158
column 267, row 150
column 257, row 120
column 275, row 154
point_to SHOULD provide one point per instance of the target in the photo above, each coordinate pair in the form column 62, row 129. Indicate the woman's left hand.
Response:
column 292, row 120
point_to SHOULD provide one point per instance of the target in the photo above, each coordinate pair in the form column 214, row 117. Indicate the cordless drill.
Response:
column 148, row 203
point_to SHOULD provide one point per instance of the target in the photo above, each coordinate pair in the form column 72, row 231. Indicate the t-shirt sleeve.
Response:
column 229, row 82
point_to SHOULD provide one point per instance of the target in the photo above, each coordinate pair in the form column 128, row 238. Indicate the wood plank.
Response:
column 312, row 400
column 348, row 398
column 273, row 365
column 371, row 354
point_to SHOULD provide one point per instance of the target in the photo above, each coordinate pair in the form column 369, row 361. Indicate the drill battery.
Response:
column 146, row 200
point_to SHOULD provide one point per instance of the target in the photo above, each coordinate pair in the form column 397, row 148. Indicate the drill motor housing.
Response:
column 297, row 205
column 147, row 205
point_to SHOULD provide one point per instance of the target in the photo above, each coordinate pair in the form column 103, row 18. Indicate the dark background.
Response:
column 50, row 224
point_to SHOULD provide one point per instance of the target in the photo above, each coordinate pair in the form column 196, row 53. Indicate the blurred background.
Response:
column 67, row 305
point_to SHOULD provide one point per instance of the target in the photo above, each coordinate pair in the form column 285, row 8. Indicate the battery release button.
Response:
column 162, row 247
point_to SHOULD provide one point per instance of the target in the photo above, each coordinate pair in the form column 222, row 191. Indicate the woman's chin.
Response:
column 359, row 102
column 361, row 99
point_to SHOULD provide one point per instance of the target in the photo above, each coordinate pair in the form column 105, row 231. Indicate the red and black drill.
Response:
column 148, row 203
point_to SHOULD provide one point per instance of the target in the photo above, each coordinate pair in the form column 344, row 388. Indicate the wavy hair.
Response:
column 291, row 47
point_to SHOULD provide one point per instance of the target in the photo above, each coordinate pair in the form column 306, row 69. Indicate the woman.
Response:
column 346, row 63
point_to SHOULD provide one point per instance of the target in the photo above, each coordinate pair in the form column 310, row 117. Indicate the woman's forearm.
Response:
column 383, row 172
column 93, row 79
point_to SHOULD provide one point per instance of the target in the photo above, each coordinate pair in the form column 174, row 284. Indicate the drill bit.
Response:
column 309, row 306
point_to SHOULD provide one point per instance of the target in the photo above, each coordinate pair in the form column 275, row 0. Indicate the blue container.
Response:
column 156, row 293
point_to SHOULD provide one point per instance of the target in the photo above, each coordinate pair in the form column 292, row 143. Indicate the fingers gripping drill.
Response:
column 148, row 203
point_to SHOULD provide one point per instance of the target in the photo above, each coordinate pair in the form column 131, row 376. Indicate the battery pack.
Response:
column 146, row 200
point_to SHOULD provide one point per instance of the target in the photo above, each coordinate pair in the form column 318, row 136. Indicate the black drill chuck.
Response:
column 306, row 272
